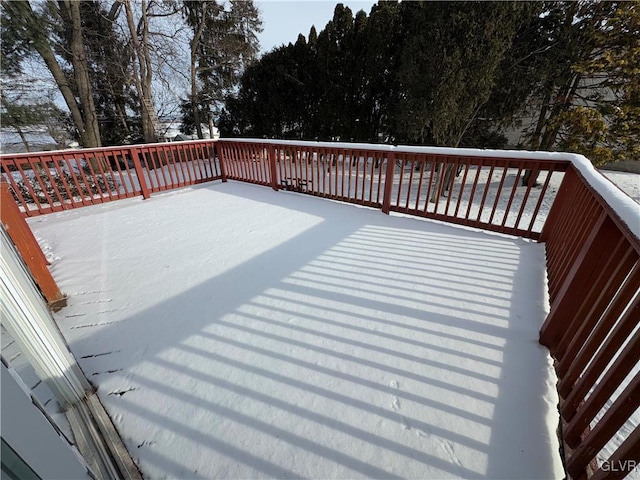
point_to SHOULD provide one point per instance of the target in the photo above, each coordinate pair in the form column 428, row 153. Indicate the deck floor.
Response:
column 238, row 332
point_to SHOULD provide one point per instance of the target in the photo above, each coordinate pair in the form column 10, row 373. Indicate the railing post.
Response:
column 27, row 245
column 273, row 168
column 221, row 159
column 585, row 266
column 134, row 151
column 567, row 187
column 388, row 182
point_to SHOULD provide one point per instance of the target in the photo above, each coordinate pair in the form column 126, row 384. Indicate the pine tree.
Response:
column 223, row 44
column 607, row 127
column 448, row 66
column 334, row 59
column 583, row 97
column 381, row 59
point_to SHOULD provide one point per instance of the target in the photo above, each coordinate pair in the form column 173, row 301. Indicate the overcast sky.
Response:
column 282, row 20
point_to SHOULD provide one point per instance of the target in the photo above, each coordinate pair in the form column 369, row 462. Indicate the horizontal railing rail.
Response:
column 593, row 249
column 45, row 182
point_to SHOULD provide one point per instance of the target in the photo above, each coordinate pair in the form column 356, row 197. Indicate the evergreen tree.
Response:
column 335, row 59
column 515, row 79
column 387, row 76
column 448, row 66
column 607, row 126
column 583, row 97
column 456, row 74
column 381, row 58
column 223, row 44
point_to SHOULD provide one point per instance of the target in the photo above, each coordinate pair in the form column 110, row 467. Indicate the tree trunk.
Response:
column 569, row 91
column 91, row 134
column 146, row 74
column 79, row 101
column 43, row 47
column 545, row 135
column 535, row 139
column 23, row 138
column 444, row 174
column 142, row 74
column 195, row 42
column 61, row 81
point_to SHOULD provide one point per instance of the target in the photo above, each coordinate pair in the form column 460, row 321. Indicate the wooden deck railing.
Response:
column 45, row 182
column 413, row 180
column 27, row 245
column 477, row 191
column 593, row 267
column 593, row 256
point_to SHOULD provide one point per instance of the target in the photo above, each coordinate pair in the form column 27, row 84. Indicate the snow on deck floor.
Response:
column 238, row 332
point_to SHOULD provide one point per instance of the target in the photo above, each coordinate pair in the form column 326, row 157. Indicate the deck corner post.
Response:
column 273, row 169
column 135, row 156
column 388, row 182
column 25, row 242
column 560, row 203
column 219, row 154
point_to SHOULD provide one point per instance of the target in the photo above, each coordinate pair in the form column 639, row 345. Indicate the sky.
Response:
column 282, row 20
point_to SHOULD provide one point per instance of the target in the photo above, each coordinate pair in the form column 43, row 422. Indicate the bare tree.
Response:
column 70, row 13
column 30, row 30
column 142, row 69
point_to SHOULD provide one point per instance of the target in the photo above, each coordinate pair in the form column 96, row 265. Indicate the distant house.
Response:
column 589, row 89
column 37, row 138
column 169, row 131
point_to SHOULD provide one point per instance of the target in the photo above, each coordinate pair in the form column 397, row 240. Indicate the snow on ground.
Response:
column 237, row 332
column 628, row 182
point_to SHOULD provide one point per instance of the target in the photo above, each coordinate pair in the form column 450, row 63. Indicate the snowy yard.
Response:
column 238, row 332
column 628, row 182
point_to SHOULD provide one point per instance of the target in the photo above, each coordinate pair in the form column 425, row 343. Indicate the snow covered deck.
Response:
column 238, row 332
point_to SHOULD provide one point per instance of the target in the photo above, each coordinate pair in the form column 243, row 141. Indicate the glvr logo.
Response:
column 620, row 466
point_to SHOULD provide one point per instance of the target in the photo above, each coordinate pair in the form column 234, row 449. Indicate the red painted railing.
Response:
column 349, row 175
column 27, row 245
column 593, row 266
column 46, row 182
column 476, row 191
column 404, row 179
column 593, row 257
column 247, row 162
